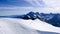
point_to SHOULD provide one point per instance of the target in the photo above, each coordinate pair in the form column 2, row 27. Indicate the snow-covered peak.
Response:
column 51, row 18
column 31, row 24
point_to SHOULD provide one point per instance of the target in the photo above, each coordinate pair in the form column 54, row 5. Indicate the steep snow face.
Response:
column 20, row 26
column 10, row 26
column 39, row 25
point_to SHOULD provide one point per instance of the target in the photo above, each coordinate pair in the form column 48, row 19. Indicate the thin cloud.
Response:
column 52, row 3
column 37, row 3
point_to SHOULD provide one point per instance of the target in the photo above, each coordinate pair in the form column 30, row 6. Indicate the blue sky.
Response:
column 14, row 7
column 14, row 3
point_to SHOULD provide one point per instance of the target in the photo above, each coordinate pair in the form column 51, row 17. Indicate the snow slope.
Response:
column 20, row 26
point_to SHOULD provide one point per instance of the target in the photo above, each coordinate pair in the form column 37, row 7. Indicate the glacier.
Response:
column 21, row 26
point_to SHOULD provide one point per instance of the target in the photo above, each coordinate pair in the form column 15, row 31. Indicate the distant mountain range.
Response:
column 53, row 19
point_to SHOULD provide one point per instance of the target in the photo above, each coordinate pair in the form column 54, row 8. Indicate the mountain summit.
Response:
column 53, row 19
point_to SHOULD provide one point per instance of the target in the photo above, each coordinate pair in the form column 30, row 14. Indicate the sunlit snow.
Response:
column 20, row 26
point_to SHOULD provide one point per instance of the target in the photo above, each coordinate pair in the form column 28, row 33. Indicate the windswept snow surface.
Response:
column 20, row 26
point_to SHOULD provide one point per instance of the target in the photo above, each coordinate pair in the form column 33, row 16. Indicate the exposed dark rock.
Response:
column 53, row 19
